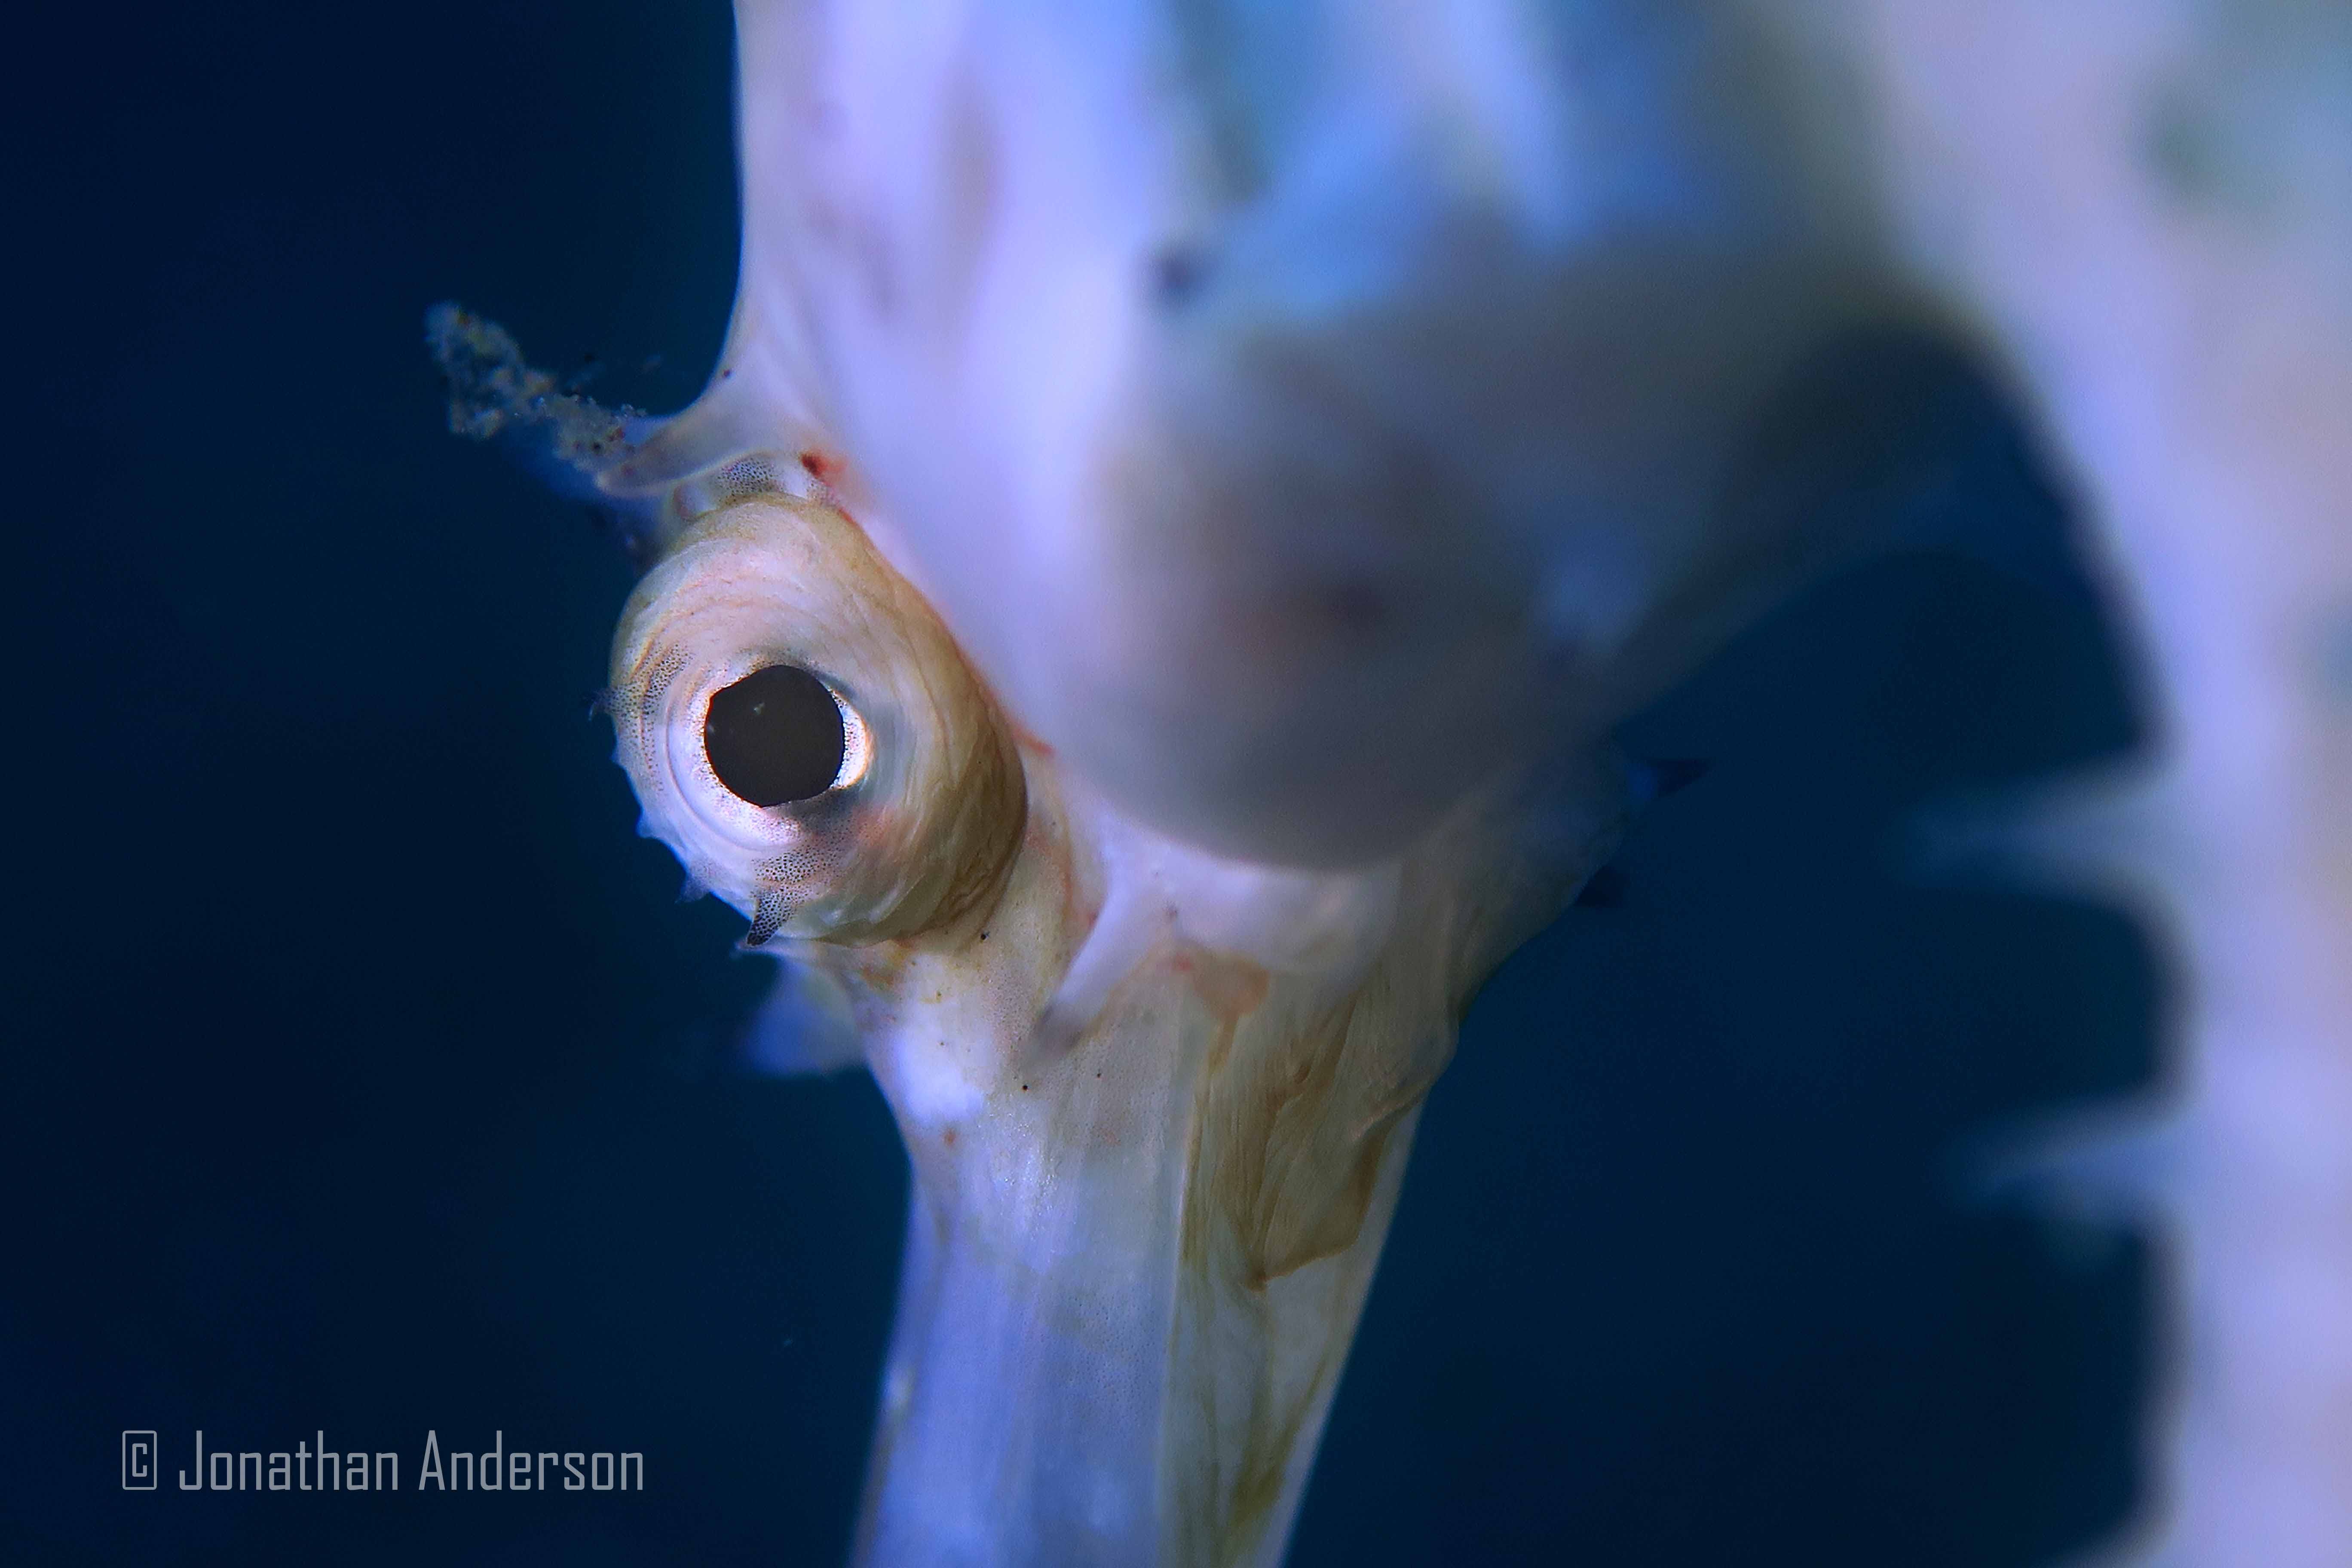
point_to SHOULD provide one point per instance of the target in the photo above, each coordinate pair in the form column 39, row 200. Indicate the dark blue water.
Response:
column 364, row 1075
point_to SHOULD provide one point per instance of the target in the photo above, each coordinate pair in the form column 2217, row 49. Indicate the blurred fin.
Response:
column 1658, row 777
column 1604, row 890
column 805, row 1026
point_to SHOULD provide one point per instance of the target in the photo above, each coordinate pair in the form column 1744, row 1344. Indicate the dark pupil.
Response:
column 774, row 735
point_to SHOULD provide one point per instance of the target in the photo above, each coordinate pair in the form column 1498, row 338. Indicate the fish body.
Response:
column 1158, row 1099
column 1232, row 464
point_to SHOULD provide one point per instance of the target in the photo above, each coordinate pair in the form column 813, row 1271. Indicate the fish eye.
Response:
column 802, row 729
column 778, row 735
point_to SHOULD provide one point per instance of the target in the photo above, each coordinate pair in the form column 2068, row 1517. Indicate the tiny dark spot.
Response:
column 1359, row 608
column 1604, row 890
column 726, row 374
column 1669, row 776
column 948, row 1137
column 2180, row 144
column 2335, row 656
column 1024, row 1089
column 1177, row 274
column 983, row 936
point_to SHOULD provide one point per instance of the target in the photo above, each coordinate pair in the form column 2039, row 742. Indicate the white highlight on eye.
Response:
column 925, row 806
column 720, row 836
column 856, row 735
column 856, row 743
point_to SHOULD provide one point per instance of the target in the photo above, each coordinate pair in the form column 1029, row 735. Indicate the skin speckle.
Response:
column 1177, row 274
column 2185, row 149
column 2335, row 656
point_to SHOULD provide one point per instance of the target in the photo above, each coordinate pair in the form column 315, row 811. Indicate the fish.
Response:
column 2144, row 213
column 1136, row 619
column 1157, row 1098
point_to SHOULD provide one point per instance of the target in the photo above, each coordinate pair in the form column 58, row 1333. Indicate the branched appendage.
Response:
column 2149, row 206
column 647, row 477
column 575, row 445
column 493, row 390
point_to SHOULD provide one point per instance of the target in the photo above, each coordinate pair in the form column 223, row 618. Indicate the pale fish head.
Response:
column 1185, row 491
column 1291, row 406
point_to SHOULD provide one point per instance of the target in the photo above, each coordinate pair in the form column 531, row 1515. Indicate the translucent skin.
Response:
column 1158, row 1100
column 1342, row 415
column 1291, row 434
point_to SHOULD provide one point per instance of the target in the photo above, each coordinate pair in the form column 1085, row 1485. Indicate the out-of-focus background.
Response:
column 362, row 1073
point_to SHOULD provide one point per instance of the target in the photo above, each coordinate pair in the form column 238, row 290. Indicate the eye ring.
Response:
column 923, row 809
column 782, row 735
